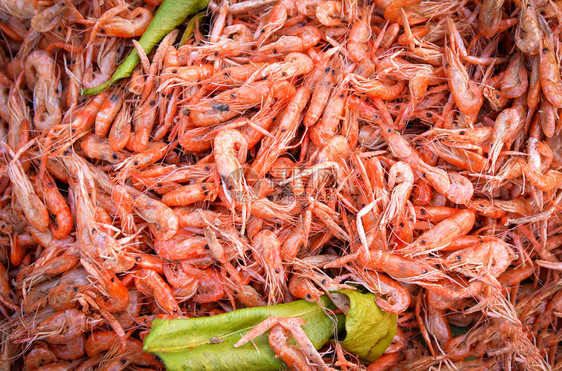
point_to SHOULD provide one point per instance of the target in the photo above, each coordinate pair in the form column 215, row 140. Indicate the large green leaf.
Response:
column 369, row 329
column 207, row 343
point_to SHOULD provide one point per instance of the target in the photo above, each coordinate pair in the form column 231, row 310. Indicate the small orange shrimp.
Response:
column 399, row 298
column 507, row 126
column 98, row 148
column 321, row 89
column 38, row 356
column 33, row 208
column 534, row 91
column 267, row 252
column 528, row 33
column 303, row 288
column 485, row 261
column 107, row 113
column 181, row 247
column 87, row 115
column 401, row 182
column 143, row 121
column 106, row 61
column 515, row 81
column 325, row 129
column 189, row 194
column 132, row 25
column 385, row 89
column 490, row 18
column 116, row 295
column 71, row 350
column 275, row 21
column 299, row 40
column 465, row 92
column 120, row 132
column 151, row 283
column 40, row 72
column 442, row 234
column 228, row 163
column 162, row 220
column 56, row 204
column 329, row 13
column 62, row 327
column 545, row 182
column 549, row 70
column 400, row 268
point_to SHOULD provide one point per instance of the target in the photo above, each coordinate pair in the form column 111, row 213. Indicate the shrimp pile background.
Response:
column 284, row 150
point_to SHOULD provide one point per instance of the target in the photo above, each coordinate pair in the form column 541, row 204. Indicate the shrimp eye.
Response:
column 283, row 130
column 262, row 30
column 423, row 211
column 206, row 193
column 152, row 102
column 429, row 114
column 402, row 224
column 324, row 281
column 545, row 50
column 93, row 231
column 114, row 156
column 423, row 242
column 235, row 292
column 390, row 131
column 206, row 247
column 459, row 257
column 112, row 279
column 138, row 258
column 327, row 69
column 423, row 174
column 174, row 71
column 447, row 65
column 216, row 53
column 207, row 168
column 341, row 95
column 462, row 132
column 136, row 163
column 309, row 296
column 59, row 28
column 203, row 187
column 233, row 95
column 275, row 51
column 277, row 271
column 123, row 361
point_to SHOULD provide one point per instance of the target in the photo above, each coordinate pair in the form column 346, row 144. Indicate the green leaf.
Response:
column 170, row 14
column 206, row 343
column 369, row 330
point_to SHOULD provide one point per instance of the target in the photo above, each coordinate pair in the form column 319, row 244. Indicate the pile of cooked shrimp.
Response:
column 283, row 150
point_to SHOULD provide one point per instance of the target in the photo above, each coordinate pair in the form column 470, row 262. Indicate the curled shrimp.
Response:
column 40, row 72
column 132, row 25
column 62, row 327
column 329, row 13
